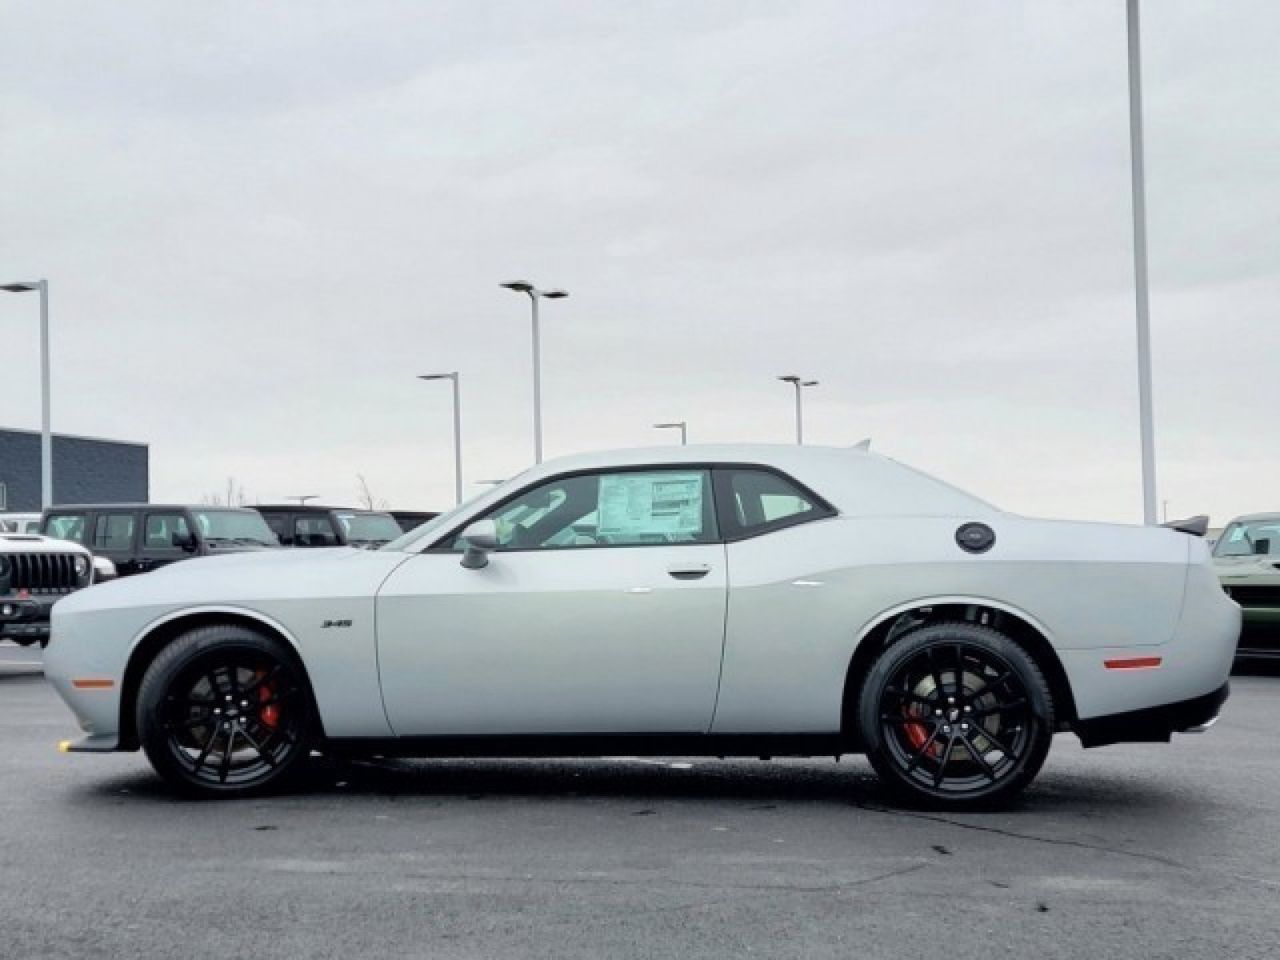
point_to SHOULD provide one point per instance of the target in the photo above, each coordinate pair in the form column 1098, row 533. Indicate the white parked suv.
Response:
column 35, row 572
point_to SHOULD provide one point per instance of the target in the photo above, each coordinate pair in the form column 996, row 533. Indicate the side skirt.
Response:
column 600, row 745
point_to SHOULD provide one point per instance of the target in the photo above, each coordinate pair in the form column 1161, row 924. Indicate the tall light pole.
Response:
column 46, row 435
column 522, row 286
column 682, row 425
column 1146, row 416
column 799, row 383
column 457, row 430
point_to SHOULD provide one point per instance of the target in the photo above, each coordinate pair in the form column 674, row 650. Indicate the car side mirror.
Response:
column 1262, row 546
column 184, row 541
column 481, row 537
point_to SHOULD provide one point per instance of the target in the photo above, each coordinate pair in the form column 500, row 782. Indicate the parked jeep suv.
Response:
column 138, row 537
column 35, row 572
column 313, row 526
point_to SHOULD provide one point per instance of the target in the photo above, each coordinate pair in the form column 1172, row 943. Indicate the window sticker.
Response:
column 638, row 504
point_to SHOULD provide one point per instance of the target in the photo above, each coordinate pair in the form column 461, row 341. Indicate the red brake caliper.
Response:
column 917, row 733
column 270, row 714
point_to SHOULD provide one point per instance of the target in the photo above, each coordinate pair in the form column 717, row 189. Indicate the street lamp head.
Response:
column 519, row 286
column 21, row 287
column 438, row 376
column 809, row 383
column 790, row 378
column 669, row 426
column 556, row 294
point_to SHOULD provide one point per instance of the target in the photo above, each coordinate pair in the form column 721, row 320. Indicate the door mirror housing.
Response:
column 183, row 541
column 481, row 537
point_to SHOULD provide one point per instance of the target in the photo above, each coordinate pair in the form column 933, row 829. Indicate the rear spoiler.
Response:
column 1196, row 526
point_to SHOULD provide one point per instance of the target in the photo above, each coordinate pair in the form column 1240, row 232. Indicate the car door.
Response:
column 601, row 611
column 156, row 547
column 114, row 537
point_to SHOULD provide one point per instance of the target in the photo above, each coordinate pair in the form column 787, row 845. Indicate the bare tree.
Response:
column 234, row 496
column 366, row 498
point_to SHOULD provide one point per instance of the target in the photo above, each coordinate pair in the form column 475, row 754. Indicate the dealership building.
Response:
column 85, row 470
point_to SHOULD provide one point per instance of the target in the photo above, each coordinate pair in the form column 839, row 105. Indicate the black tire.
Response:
column 225, row 711
column 966, row 686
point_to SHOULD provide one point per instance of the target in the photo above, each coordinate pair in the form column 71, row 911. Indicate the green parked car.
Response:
column 1247, row 560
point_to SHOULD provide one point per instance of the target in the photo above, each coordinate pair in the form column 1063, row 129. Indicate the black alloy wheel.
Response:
column 956, row 715
column 224, row 711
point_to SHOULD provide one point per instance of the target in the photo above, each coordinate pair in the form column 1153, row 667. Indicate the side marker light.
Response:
column 1133, row 663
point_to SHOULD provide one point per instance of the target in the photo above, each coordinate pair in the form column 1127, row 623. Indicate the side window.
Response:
column 66, row 526
column 625, row 509
column 160, row 528
column 314, row 531
column 279, row 524
column 754, row 501
column 113, row 531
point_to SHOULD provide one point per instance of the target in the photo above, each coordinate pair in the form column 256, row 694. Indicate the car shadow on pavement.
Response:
column 744, row 784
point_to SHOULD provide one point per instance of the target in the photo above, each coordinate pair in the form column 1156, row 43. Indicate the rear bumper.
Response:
column 1153, row 724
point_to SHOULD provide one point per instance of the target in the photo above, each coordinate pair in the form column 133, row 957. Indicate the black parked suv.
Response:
column 138, row 537
column 312, row 526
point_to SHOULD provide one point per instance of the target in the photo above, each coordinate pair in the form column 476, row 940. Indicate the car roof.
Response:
column 67, row 507
column 308, row 508
column 853, row 479
column 1257, row 518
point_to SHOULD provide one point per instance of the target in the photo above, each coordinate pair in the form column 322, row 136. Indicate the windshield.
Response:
column 369, row 527
column 437, row 525
column 1256, row 538
column 246, row 526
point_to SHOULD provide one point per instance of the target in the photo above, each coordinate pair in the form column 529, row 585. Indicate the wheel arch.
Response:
column 158, row 634
column 892, row 625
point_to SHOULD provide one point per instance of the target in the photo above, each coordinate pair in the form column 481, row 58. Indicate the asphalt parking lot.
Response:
column 1130, row 851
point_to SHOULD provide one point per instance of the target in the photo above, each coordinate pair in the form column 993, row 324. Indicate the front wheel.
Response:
column 224, row 711
column 956, row 716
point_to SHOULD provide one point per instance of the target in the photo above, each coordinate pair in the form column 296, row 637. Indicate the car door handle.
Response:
column 689, row 571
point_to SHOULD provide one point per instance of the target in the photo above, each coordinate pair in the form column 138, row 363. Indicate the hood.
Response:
column 247, row 578
column 35, row 543
column 1231, row 569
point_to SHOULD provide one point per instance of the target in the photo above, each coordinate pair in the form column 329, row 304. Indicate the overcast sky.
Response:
column 260, row 221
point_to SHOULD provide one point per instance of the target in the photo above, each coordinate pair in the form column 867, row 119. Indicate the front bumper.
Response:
column 1154, row 724
column 25, row 619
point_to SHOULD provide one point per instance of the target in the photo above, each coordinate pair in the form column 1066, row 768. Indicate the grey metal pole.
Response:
column 457, row 441
column 799, row 415
column 46, row 433
column 537, row 383
column 1146, row 415
column 684, row 434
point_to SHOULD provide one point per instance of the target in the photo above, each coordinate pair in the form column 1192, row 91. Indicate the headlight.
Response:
column 82, row 565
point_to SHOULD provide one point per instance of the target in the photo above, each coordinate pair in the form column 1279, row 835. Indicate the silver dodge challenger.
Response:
column 703, row 600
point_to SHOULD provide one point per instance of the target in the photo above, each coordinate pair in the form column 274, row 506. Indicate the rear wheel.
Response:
column 224, row 711
column 956, row 716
